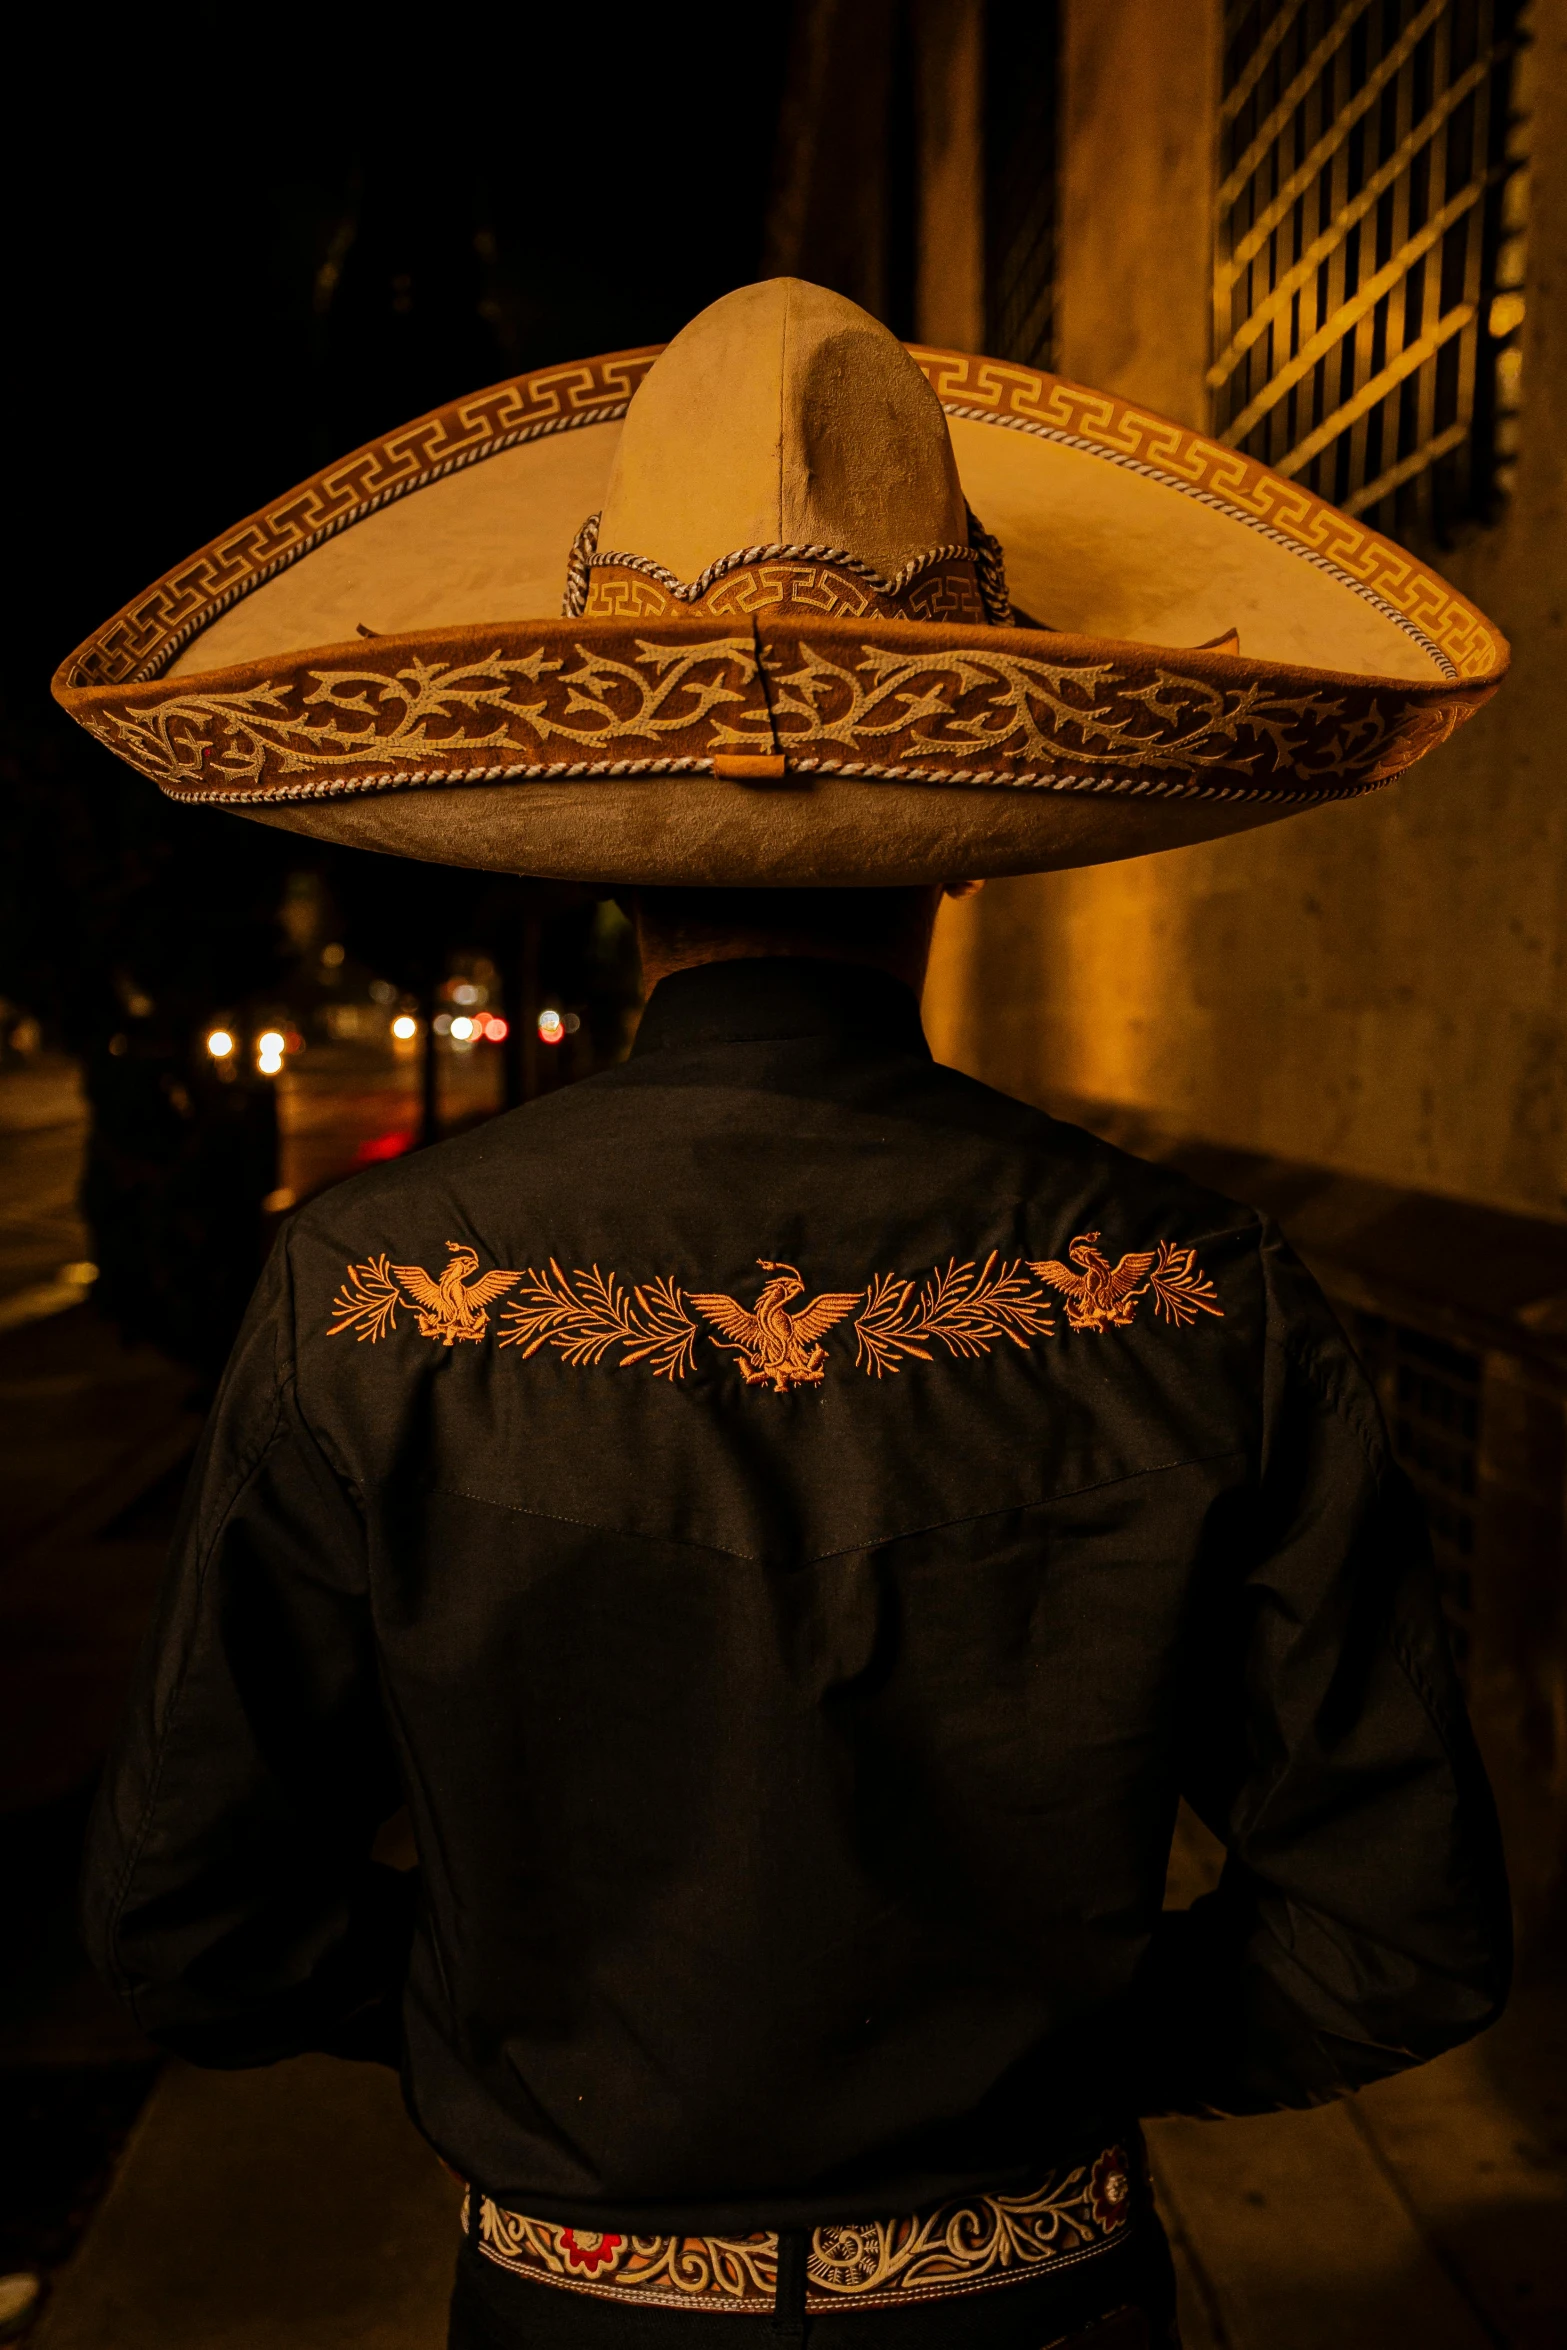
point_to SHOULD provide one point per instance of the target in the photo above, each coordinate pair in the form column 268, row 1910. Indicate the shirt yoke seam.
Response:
column 848, row 1549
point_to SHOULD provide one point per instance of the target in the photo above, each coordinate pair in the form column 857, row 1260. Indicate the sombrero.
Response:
column 785, row 603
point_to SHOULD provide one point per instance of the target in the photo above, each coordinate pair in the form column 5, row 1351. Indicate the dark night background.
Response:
column 229, row 266
column 234, row 252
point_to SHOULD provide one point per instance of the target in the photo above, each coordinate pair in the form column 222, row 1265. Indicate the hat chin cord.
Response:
column 982, row 550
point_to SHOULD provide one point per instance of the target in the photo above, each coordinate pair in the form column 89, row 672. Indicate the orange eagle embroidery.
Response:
column 1102, row 1296
column 777, row 1348
column 451, row 1308
column 588, row 1317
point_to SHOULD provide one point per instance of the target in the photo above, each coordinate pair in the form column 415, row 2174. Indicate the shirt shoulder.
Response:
column 1074, row 1174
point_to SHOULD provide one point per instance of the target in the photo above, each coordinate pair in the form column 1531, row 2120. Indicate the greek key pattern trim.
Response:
column 827, row 590
column 973, row 584
column 967, row 2245
column 149, row 632
column 541, row 701
column 997, row 392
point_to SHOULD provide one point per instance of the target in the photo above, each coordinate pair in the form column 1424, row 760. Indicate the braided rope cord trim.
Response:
column 982, row 550
column 860, row 771
column 1233, row 513
column 990, row 569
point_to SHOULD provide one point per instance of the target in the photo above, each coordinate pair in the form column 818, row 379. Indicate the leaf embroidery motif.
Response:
column 1180, row 1291
column 967, row 1310
column 583, row 1315
column 367, row 1303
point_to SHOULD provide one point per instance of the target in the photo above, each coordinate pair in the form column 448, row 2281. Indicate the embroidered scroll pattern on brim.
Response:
column 828, row 702
column 591, row 1317
column 245, row 746
column 967, row 2245
column 1149, row 721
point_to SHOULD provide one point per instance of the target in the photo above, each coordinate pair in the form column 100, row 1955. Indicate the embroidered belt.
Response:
column 965, row 2246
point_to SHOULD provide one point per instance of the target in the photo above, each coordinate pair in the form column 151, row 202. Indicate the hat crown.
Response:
column 783, row 415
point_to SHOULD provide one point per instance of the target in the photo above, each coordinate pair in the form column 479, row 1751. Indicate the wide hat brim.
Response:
column 378, row 658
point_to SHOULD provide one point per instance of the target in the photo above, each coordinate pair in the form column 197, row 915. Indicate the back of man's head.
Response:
column 889, row 929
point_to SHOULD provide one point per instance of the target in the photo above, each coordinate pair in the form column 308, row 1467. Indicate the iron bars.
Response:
column 1368, row 263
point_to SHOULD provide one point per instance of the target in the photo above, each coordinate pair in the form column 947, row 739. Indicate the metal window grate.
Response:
column 1368, row 264
column 1022, row 79
column 1430, row 1397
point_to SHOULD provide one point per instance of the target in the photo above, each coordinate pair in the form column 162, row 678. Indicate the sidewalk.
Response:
column 1431, row 2209
column 298, row 2210
column 293, row 2209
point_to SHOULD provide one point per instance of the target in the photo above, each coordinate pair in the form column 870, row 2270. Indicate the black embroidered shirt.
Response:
column 789, row 1522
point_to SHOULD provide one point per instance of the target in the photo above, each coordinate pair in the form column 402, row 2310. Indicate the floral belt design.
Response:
column 964, row 2246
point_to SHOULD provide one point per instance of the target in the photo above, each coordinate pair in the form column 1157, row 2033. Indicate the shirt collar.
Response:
column 778, row 996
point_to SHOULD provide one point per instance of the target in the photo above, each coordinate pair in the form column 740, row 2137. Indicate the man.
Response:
column 790, row 1523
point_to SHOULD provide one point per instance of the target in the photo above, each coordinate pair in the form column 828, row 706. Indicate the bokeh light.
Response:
column 405, row 1028
column 551, row 1027
column 220, row 1044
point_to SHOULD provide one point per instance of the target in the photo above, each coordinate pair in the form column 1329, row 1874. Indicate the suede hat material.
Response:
column 730, row 615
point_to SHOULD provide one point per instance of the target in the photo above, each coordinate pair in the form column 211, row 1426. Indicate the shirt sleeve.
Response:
column 229, row 1896
column 1362, row 1921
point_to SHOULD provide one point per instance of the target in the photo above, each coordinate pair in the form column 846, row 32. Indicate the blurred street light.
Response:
column 405, row 1028
column 220, row 1044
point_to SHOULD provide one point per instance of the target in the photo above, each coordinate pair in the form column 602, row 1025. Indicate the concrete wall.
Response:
column 949, row 288
column 829, row 210
column 1377, row 988
column 1139, row 117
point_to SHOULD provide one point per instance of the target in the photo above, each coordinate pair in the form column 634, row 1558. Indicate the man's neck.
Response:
column 662, row 958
